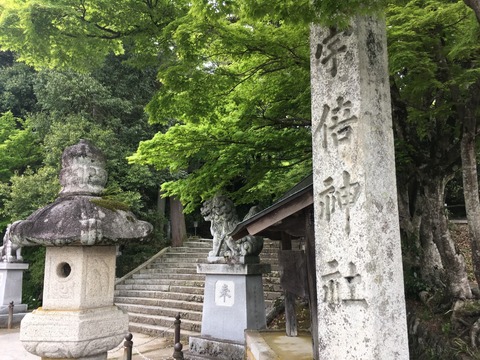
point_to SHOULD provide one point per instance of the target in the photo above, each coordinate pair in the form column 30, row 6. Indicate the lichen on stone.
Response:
column 110, row 204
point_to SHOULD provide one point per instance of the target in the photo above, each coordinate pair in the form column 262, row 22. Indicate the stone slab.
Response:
column 211, row 348
column 232, row 303
column 18, row 308
column 73, row 334
column 11, row 279
column 17, row 318
column 79, row 277
column 13, row 265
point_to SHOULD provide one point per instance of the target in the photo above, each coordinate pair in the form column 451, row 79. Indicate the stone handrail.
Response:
column 142, row 266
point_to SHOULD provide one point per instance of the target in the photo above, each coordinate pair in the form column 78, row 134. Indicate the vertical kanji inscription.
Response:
column 336, row 123
column 329, row 49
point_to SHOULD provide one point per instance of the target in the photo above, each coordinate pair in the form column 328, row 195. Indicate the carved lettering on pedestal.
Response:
column 338, row 196
column 336, row 123
column 342, row 289
column 330, row 47
column 224, row 293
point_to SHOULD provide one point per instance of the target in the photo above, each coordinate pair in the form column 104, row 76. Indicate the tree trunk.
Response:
column 475, row 6
column 162, row 222
column 470, row 189
column 179, row 230
column 420, row 255
column 161, row 204
column 434, row 228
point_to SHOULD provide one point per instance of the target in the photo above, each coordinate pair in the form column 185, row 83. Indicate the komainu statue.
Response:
column 10, row 252
column 221, row 213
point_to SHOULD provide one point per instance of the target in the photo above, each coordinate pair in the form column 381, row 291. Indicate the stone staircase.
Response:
column 168, row 284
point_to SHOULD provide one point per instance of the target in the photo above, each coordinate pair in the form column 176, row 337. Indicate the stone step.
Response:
column 149, row 287
column 267, row 279
column 198, row 243
column 272, row 287
column 160, row 331
column 192, row 250
column 187, row 289
column 174, row 282
column 174, row 264
column 181, row 255
column 164, row 321
column 159, row 295
column 164, row 311
column 171, row 270
column 162, row 288
column 166, row 303
column 174, row 276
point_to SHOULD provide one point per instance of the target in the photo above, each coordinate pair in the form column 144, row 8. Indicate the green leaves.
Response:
column 237, row 100
column 434, row 60
column 18, row 146
column 80, row 34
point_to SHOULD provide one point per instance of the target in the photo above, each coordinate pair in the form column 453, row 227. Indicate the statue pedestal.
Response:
column 78, row 318
column 11, row 279
column 233, row 302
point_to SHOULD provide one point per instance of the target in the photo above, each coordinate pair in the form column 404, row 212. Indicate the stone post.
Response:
column 11, row 279
column 361, row 305
column 78, row 319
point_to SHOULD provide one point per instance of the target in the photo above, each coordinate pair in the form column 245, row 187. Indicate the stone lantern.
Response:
column 80, row 231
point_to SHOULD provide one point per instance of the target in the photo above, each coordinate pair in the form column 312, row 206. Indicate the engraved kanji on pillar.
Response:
column 329, row 49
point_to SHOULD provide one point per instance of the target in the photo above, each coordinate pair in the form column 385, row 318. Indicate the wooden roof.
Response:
column 285, row 215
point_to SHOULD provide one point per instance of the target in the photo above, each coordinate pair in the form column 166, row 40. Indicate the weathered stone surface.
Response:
column 79, row 277
column 361, row 307
column 10, row 252
column 221, row 213
column 79, row 220
column 78, row 319
column 73, row 334
column 233, row 300
column 83, row 170
column 11, row 275
column 209, row 348
column 79, row 216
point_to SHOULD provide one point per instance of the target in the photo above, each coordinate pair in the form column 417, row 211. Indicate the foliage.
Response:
column 18, row 146
column 339, row 13
column 28, row 192
column 433, row 62
column 16, row 86
column 237, row 99
column 61, row 33
column 33, row 277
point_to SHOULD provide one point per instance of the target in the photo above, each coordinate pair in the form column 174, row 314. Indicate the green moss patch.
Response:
column 110, row 204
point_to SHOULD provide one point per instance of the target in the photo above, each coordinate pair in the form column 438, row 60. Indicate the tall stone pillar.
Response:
column 361, row 305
